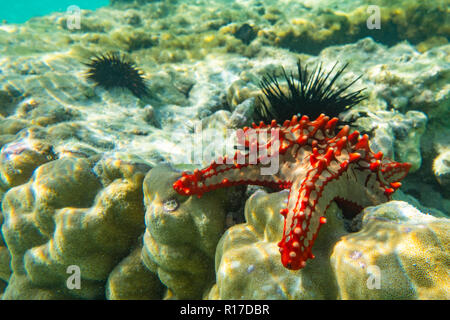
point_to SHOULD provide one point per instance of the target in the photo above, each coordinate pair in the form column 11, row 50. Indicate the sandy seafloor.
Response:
column 202, row 62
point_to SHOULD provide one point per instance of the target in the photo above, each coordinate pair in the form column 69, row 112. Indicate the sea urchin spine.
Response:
column 307, row 94
column 113, row 70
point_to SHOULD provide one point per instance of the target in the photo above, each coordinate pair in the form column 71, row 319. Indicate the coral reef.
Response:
column 181, row 235
column 315, row 162
column 400, row 253
column 168, row 31
column 73, row 157
column 248, row 260
column 131, row 280
column 390, row 243
column 73, row 212
column 18, row 160
column 441, row 168
column 397, row 135
column 322, row 27
column 408, row 98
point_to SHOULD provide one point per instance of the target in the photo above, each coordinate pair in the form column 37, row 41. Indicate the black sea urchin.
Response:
column 112, row 69
column 307, row 94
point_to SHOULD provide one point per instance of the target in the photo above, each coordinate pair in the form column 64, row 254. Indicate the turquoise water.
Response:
column 22, row 10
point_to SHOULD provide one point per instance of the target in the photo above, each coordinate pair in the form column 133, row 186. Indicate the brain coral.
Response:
column 18, row 159
column 397, row 135
column 86, row 212
column 400, row 253
column 131, row 280
column 181, row 235
column 89, row 212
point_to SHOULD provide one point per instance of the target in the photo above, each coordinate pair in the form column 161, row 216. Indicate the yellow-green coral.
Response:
column 72, row 213
column 18, row 160
column 181, row 234
column 412, row 21
column 408, row 248
column 131, row 280
column 400, row 253
column 248, row 264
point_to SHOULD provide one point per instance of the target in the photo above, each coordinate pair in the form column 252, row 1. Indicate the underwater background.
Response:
column 103, row 104
column 21, row 11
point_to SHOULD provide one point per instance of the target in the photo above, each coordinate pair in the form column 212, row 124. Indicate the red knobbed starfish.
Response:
column 317, row 165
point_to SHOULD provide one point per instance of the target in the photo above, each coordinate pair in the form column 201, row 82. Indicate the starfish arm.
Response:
column 393, row 172
column 226, row 175
column 261, row 149
column 301, row 225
